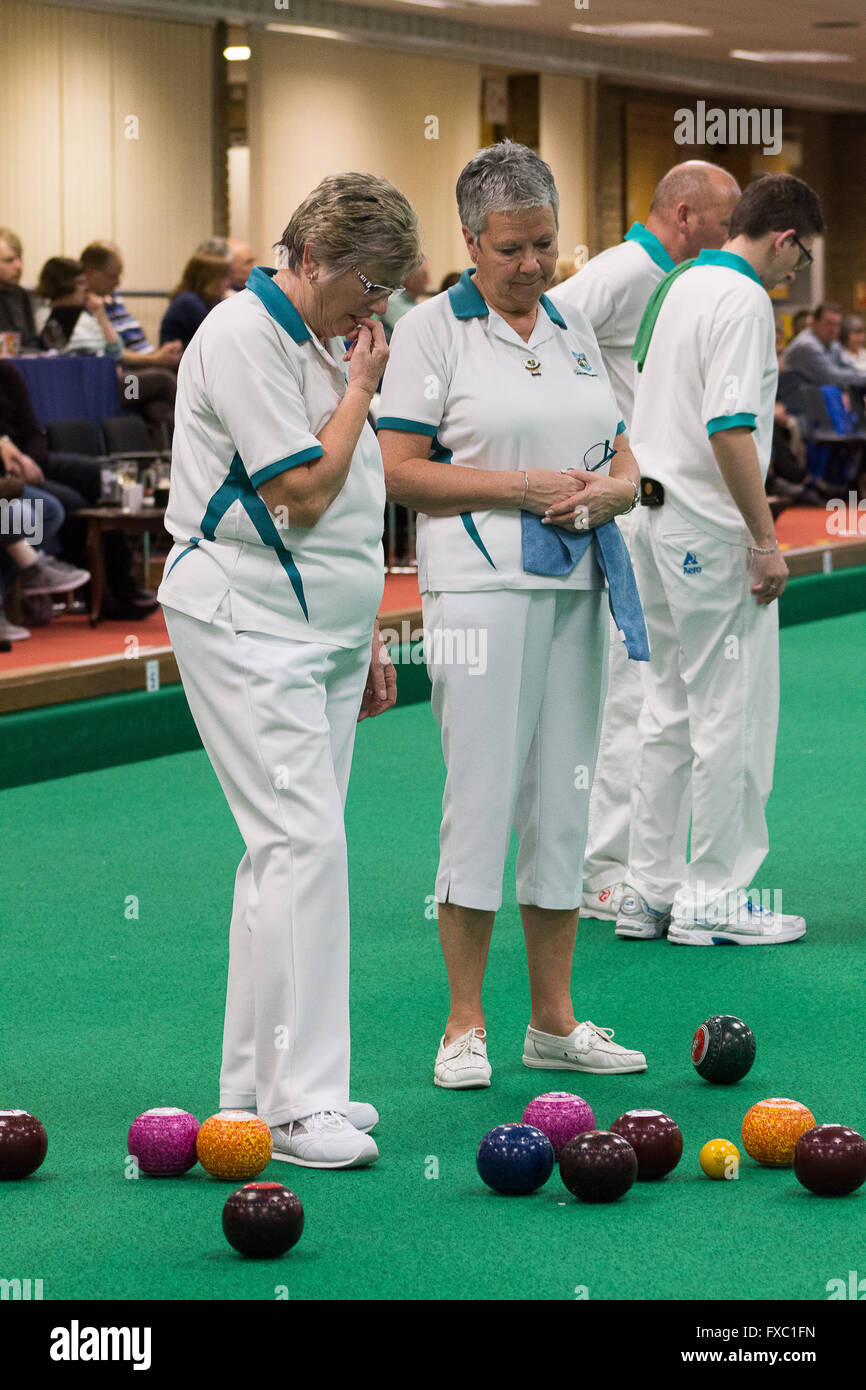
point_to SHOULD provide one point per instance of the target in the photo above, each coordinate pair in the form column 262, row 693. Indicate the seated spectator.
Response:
column 16, row 307
column 72, row 319
column 852, row 341
column 802, row 319
column 154, row 368
column 814, row 358
column 203, row 284
column 788, row 479
column 31, row 517
column 412, row 292
column 243, row 258
column 215, row 246
column 74, row 481
column 239, row 254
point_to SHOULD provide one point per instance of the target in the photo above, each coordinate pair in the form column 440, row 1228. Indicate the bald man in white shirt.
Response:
column 690, row 211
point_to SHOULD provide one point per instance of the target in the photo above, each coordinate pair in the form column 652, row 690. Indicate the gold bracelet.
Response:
column 770, row 550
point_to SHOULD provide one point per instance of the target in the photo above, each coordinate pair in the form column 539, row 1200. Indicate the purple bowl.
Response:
column 163, row 1141
column 560, row 1115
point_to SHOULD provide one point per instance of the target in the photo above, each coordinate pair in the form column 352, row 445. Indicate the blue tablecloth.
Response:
column 70, row 388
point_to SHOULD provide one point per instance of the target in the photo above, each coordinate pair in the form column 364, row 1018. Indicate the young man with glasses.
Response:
column 709, row 572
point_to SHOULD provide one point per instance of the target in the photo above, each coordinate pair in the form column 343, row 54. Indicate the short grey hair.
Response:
column 504, row 178
column 214, row 246
column 354, row 220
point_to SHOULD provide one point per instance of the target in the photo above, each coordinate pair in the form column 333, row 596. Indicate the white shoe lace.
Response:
column 606, row 1033
column 320, row 1119
column 468, row 1047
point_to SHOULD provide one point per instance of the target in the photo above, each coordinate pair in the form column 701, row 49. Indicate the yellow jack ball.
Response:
column 720, row 1158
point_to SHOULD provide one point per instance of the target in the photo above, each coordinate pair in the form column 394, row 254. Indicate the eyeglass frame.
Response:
column 808, row 254
column 591, row 467
column 370, row 288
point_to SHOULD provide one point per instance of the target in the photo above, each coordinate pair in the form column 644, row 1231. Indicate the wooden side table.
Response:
column 147, row 521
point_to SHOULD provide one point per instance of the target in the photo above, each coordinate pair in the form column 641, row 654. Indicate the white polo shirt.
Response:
column 459, row 374
column 612, row 290
column 711, row 365
column 255, row 387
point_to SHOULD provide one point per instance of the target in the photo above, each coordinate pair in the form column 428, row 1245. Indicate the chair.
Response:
column 822, row 436
column 126, row 437
column 74, row 437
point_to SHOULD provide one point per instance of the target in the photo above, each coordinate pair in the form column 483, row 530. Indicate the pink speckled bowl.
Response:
column 163, row 1141
column 560, row 1116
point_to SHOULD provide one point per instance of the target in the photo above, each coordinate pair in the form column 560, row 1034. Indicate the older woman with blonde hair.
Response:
column 270, row 596
column 498, row 425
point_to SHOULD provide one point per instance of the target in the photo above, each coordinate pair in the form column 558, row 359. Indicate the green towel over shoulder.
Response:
column 651, row 312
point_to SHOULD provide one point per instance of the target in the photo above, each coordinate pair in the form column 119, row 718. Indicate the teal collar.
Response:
column 278, row 305
column 733, row 262
column 467, row 302
column 651, row 244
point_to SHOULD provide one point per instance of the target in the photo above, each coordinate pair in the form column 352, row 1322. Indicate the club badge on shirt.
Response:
column 532, row 365
column 584, row 366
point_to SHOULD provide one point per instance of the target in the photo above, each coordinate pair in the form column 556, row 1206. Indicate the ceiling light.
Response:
column 651, row 29
column 790, row 57
column 237, row 54
column 309, row 32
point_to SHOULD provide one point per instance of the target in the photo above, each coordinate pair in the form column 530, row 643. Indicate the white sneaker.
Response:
column 463, row 1064
column 748, row 925
column 323, row 1140
column 588, row 1048
column 358, row 1112
column 603, row 905
column 636, row 919
column 11, row 632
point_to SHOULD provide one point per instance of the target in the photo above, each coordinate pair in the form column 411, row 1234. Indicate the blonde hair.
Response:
column 13, row 240
column 202, row 275
column 353, row 220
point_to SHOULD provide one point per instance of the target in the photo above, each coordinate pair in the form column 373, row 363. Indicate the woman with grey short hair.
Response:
column 498, row 425
column 270, row 595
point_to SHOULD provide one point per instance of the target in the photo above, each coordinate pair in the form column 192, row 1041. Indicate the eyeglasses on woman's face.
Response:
column 373, row 291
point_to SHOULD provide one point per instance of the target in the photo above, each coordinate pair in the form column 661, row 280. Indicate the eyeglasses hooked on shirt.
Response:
column 591, row 458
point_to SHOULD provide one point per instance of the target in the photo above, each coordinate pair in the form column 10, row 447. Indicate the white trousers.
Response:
column 606, row 857
column 277, row 718
column 520, row 738
column 707, row 729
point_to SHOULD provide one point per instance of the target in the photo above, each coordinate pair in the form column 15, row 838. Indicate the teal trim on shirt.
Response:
column 620, row 429
column 651, row 244
column 730, row 422
column 396, row 422
column 472, row 530
column 439, row 454
column 238, row 488
column 315, row 451
column 727, row 258
column 467, row 302
column 552, row 312
column 193, row 542
column 278, row 305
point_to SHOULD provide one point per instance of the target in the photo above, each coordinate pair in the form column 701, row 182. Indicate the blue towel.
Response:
column 554, row 551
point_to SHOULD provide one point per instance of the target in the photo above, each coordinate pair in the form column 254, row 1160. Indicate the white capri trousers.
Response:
column 520, row 734
column 707, row 728
column 277, row 718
